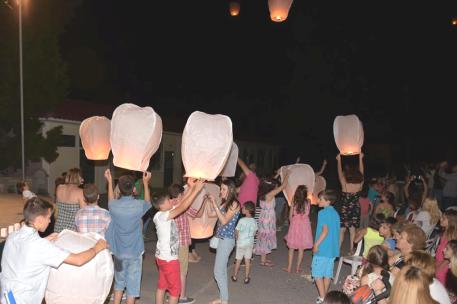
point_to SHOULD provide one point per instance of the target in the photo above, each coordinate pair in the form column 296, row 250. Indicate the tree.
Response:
column 45, row 78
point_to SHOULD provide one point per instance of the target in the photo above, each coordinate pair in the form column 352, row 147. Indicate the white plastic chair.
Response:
column 354, row 260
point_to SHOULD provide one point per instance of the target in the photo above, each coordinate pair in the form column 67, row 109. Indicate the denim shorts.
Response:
column 322, row 267
column 127, row 275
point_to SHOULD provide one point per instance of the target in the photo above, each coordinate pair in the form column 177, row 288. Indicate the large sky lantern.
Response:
column 90, row 283
column 320, row 184
column 232, row 161
column 135, row 136
column 348, row 132
column 299, row 174
column 234, row 8
column 95, row 137
column 203, row 227
column 279, row 9
column 206, row 144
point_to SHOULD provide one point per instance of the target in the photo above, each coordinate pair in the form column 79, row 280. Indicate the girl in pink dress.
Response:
column 449, row 224
column 299, row 235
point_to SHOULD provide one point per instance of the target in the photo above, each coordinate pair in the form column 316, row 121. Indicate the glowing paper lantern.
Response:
column 203, row 227
column 94, row 133
column 234, row 7
column 135, row 136
column 206, row 144
column 348, row 132
column 89, row 283
column 279, row 9
column 319, row 185
column 299, row 174
column 230, row 165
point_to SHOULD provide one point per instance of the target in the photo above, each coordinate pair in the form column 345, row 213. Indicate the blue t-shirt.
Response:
column 392, row 243
column 330, row 246
column 372, row 194
column 125, row 233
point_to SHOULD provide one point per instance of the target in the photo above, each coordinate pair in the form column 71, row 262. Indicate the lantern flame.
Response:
column 234, row 8
column 279, row 9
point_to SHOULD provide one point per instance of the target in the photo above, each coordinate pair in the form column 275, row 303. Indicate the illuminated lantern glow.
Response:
column 232, row 161
column 348, row 133
column 206, row 143
column 90, row 283
column 279, row 9
column 135, row 136
column 454, row 22
column 299, row 174
column 320, row 184
column 95, row 137
column 234, row 7
column 203, row 227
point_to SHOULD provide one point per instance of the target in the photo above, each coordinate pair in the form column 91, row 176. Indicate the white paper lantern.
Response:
column 279, row 9
column 299, row 174
column 135, row 136
column 320, row 184
column 232, row 161
column 203, row 227
column 90, row 283
column 348, row 132
column 95, row 137
column 234, row 8
column 206, row 144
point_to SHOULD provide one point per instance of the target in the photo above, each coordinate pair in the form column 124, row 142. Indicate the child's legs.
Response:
column 238, row 257
column 183, row 266
column 169, row 279
column 120, row 280
column 224, row 248
column 342, row 232
column 320, row 287
column 351, row 238
column 290, row 258
column 322, row 271
column 247, row 260
column 326, row 284
column 160, row 296
column 133, row 277
column 299, row 259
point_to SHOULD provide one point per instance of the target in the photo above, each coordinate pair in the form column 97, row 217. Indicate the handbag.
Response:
column 213, row 242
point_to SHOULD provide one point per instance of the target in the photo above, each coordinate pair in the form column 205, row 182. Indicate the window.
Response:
column 66, row 141
column 156, row 160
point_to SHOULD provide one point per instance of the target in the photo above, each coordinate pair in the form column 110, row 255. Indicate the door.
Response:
column 168, row 168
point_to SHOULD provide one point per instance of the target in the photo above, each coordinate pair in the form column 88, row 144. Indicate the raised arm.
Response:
column 406, row 188
column 361, row 167
column 324, row 164
column 244, row 167
column 185, row 203
column 424, row 185
column 227, row 216
column 340, row 170
column 270, row 195
column 109, row 180
column 147, row 192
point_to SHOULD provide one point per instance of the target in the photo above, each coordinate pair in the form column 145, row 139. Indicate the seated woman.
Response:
column 411, row 238
column 428, row 216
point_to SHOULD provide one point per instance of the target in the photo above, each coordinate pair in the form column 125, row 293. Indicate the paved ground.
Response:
column 268, row 285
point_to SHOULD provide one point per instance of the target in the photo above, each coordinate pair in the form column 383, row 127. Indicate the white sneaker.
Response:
column 124, row 297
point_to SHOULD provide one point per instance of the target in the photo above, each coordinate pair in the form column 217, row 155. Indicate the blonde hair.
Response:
column 451, row 229
column 73, row 176
column 452, row 245
column 431, row 206
column 411, row 286
column 424, row 261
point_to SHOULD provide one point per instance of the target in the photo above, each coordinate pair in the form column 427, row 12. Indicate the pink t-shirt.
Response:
column 248, row 189
column 439, row 257
column 364, row 205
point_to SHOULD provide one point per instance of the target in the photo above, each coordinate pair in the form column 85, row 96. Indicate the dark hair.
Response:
column 336, row 297
column 390, row 198
column 390, row 220
column 376, row 221
column 364, row 191
column 20, row 187
column 90, row 193
column 266, row 185
column 126, row 184
column 231, row 199
column 377, row 256
column 301, row 199
column 35, row 207
column 353, row 176
column 250, row 206
column 175, row 190
column 160, row 199
column 329, row 195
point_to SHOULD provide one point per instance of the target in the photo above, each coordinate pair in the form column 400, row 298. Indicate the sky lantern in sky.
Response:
column 135, row 136
column 232, row 161
column 90, row 283
column 95, row 137
column 202, row 227
column 234, row 7
column 206, row 144
column 299, row 174
column 279, row 9
column 348, row 133
column 454, row 21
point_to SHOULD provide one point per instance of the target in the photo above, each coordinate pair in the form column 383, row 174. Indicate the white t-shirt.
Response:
column 439, row 293
column 26, row 262
column 27, row 194
column 422, row 220
column 167, row 237
column 246, row 228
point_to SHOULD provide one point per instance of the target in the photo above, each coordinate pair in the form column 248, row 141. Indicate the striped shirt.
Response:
column 92, row 219
column 182, row 222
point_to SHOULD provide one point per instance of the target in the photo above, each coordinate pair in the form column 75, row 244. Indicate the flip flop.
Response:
column 267, row 264
column 286, row 269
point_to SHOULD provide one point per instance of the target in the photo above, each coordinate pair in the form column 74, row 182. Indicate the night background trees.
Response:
column 391, row 64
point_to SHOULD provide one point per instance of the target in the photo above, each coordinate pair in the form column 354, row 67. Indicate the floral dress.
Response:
column 350, row 210
column 266, row 237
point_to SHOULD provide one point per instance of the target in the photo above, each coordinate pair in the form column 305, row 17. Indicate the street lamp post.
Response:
column 21, row 89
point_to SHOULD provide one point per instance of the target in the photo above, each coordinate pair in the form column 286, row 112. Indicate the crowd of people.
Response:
column 408, row 232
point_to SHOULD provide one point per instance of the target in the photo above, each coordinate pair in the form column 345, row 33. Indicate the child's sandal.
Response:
column 234, row 278
column 247, row 280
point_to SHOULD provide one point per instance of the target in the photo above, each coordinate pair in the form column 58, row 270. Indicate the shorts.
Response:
column 245, row 251
column 183, row 258
column 169, row 276
column 127, row 275
column 322, row 267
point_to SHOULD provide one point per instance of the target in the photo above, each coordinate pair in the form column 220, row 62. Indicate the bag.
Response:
column 213, row 242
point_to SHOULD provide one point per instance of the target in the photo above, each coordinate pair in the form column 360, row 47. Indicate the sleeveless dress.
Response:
column 266, row 237
column 66, row 217
column 227, row 231
column 299, row 235
column 350, row 210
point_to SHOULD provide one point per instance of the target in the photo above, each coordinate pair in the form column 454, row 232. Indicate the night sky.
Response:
column 392, row 64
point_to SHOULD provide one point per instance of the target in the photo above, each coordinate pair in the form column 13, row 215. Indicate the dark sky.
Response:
column 393, row 64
